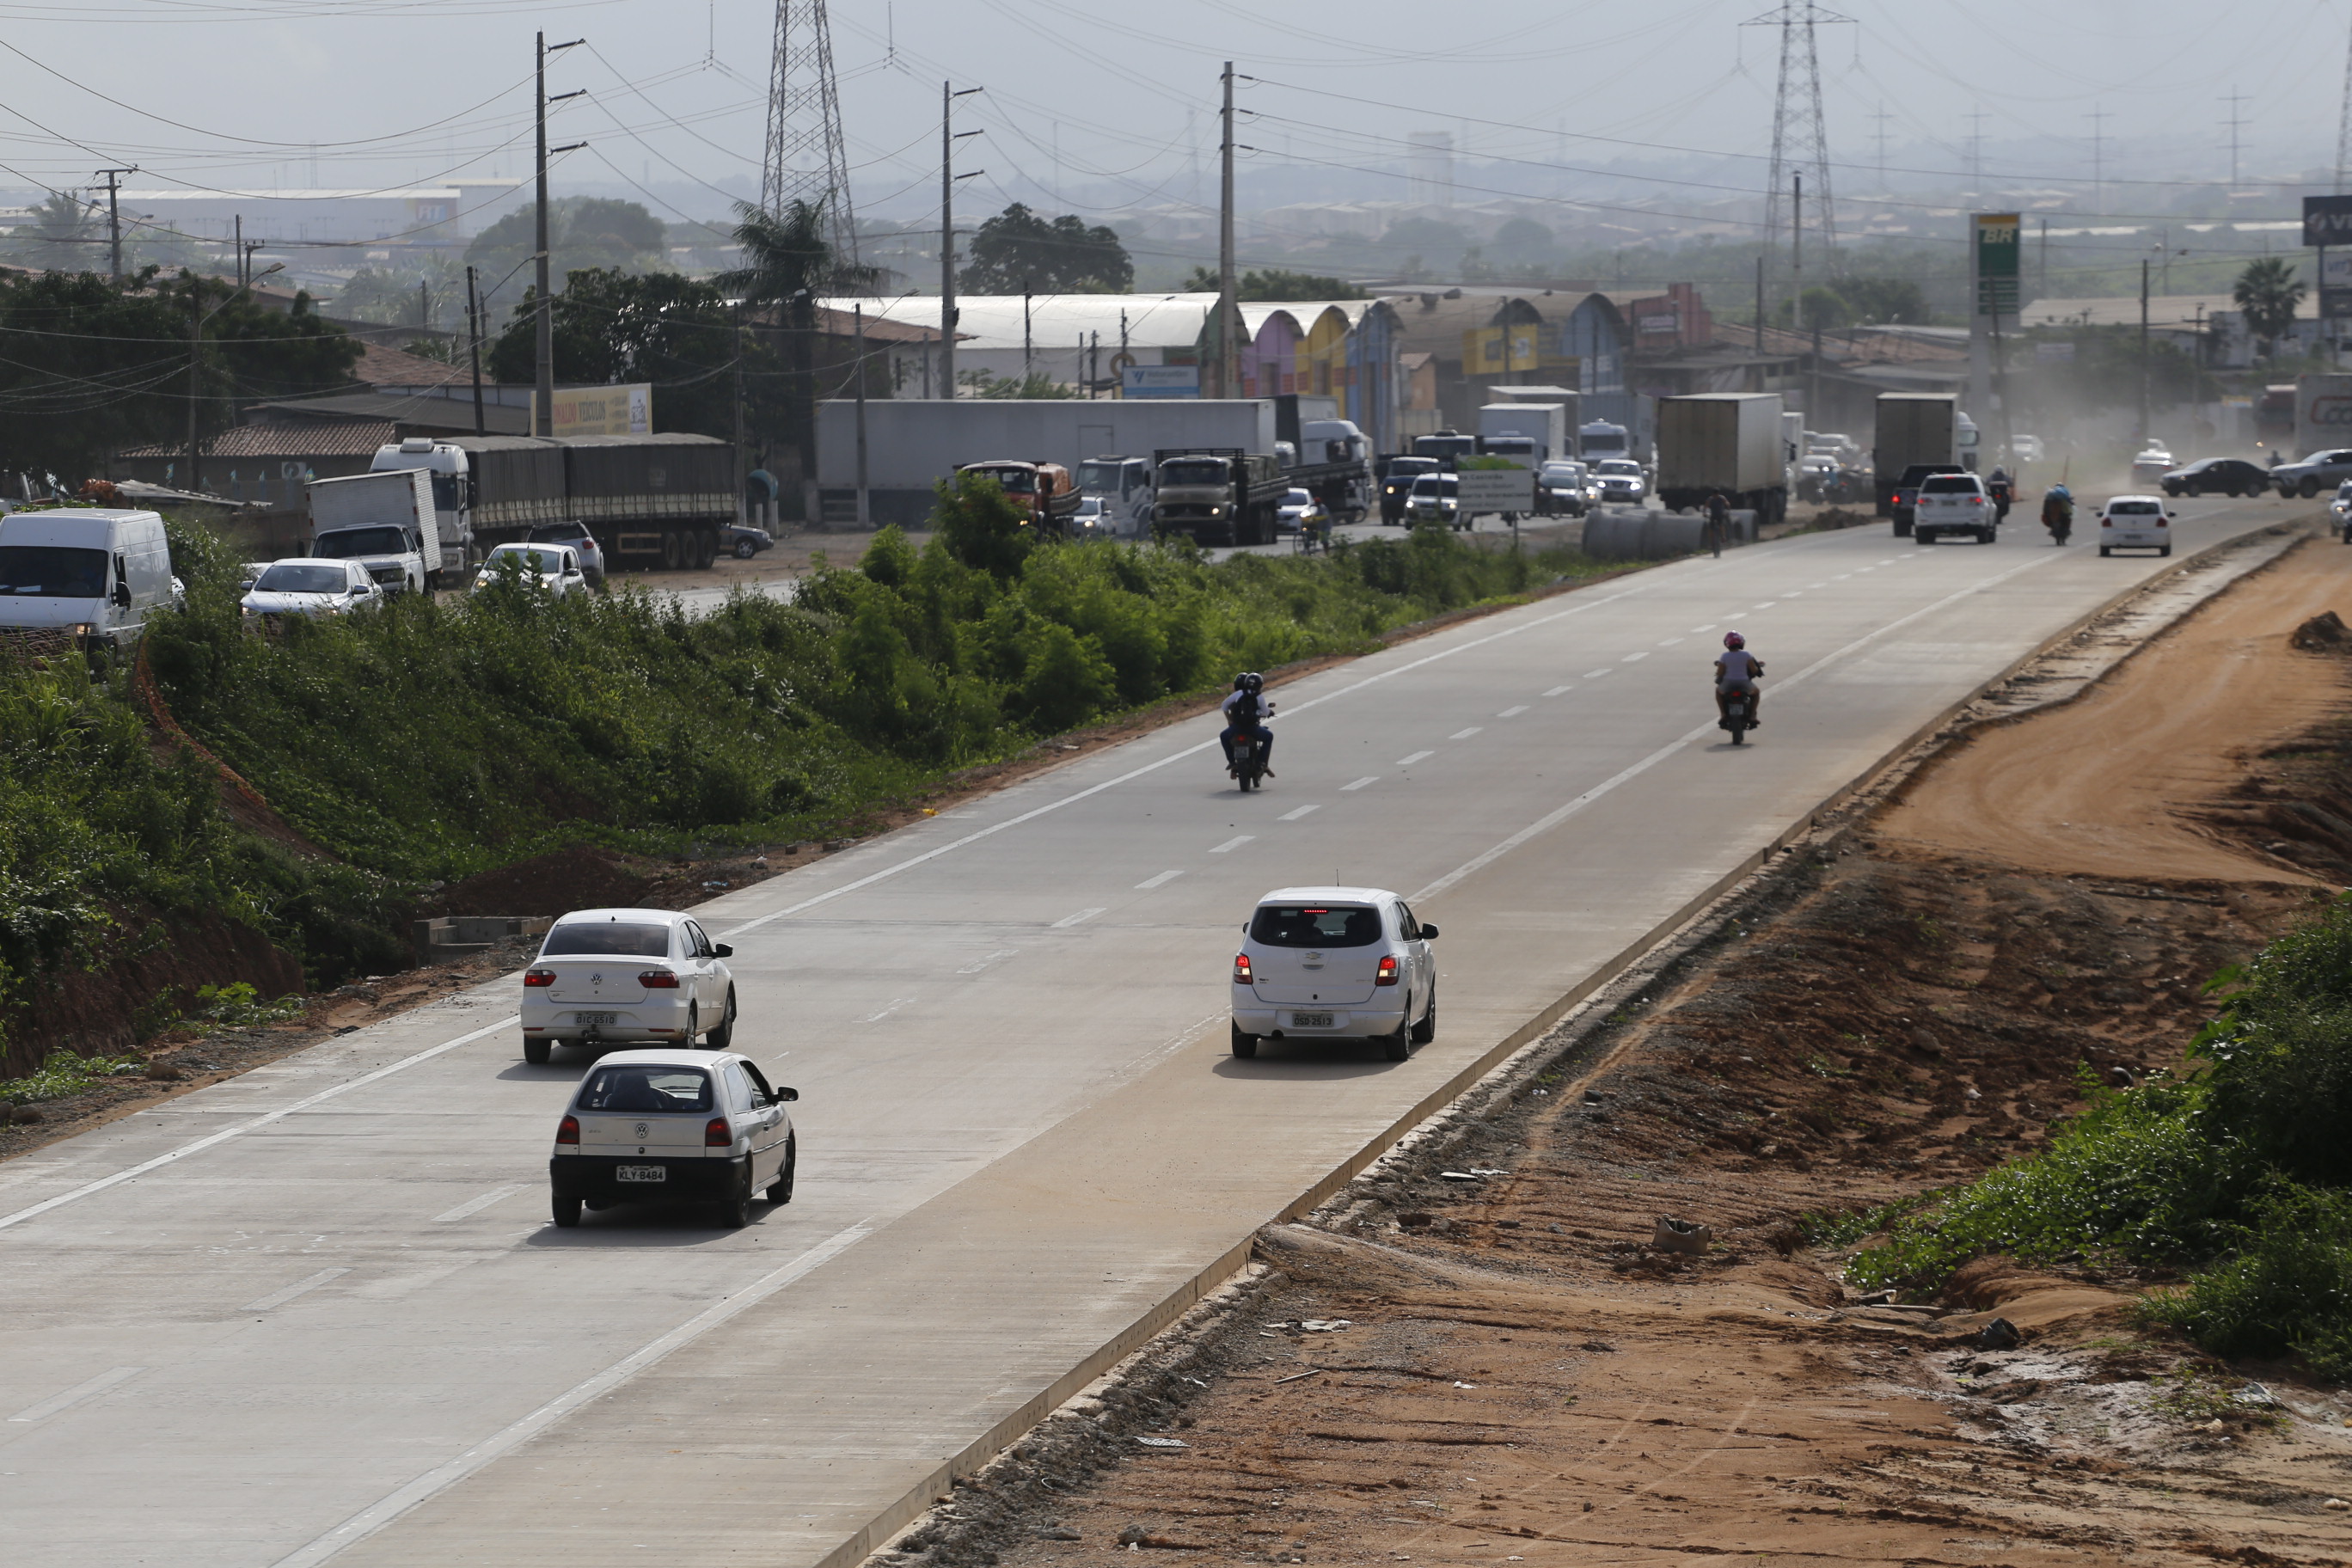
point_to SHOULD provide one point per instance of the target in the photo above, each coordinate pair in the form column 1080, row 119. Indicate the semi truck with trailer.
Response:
column 1217, row 495
column 1726, row 442
column 650, row 500
column 1334, row 464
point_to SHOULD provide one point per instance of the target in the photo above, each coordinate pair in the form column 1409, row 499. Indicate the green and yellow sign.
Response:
column 1998, row 247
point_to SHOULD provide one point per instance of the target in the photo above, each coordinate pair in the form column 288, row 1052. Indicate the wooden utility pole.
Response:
column 113, row 178
column 474, row 346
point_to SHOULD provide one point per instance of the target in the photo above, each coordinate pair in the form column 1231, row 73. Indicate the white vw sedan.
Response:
column 615, row 976
column 674, row 1126
column 1320, row 964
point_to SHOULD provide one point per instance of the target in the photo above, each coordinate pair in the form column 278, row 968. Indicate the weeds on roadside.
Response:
column 66, row 1074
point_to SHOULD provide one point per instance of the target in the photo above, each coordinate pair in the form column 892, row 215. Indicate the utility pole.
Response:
column 2098, row 117
column 240, row 250
column 1025, row 297
column 474, row 346
column 2143, row 351
column 738, row 314
column 197, row 317
column 424, row 305
column 857, row 374
column 2235, row 123
column 948, row 139
column 1797, row 256
column 1229, row 347
column 113, row 178
column 1759, row 301
column 542, row 398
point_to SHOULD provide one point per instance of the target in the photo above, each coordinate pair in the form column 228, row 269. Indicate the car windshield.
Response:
column 1013, row 481
column 637, row 939
column 1101, row 476
column 1950, row 485
column 1559, row 473
column 52, row 571
column 1315, row 925
column 1438, row 485
column 1090, row 506
column 640, row 1090
column 291, row 579
column 532, row 560
column 1296, row 497
column 2134, row 508
column 1620, row 466
column 344, row 543
column 1202, row 473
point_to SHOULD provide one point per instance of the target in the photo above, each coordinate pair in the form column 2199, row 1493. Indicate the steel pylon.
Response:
column 1801, row 142
column 805, row 159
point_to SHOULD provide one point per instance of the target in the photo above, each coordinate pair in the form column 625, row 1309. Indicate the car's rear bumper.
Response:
column 593, row 1177
column 1367, row 1022
column 660, row 1022
column 2133, row 539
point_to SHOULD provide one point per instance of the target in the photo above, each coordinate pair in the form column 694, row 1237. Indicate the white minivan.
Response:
column 2135, row 522
column 93, row 572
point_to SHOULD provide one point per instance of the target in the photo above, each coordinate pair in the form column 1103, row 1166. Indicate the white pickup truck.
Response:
column 1954, row 503
column 385, row 522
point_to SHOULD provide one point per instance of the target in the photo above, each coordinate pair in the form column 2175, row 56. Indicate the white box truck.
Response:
column 1530, row 434
column 87, row 574
column 1723, row 441
column 387, row 523
column 1918, row 432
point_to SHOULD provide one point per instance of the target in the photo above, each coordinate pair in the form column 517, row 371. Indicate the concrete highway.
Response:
column 318, row 1312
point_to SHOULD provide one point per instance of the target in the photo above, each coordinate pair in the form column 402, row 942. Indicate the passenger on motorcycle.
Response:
column 1246, row 711
column 1737, row 670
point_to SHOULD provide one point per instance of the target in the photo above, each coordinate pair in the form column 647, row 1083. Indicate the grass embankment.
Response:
column 2235, row 1169
column 429, row 742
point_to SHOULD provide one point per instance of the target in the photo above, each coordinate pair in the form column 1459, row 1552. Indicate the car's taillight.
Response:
column 1388, row 975
column 569, row 1132
column 716, row 1134
column 1242, row 975
column 658, row 980
column 539, row 977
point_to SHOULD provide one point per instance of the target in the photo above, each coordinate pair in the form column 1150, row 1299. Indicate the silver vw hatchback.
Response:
column 1348, row 963
column 672, row 1127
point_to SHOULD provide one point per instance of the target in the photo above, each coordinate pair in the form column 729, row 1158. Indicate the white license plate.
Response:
column 641, row 1172
column 1313, row 1020
column 596, row 1020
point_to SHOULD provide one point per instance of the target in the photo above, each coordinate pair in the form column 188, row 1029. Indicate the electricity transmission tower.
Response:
column 1800, row 143
column 2344, row 129
column 805, row 159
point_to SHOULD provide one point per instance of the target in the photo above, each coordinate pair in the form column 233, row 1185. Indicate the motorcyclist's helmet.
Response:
column 1252, row 683
column 1241, row 681
column 1733, row 639
column 2062, row 492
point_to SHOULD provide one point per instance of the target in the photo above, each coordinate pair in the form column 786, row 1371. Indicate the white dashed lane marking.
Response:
column 1416, row 757
column 1230, row 845
column 1367, row 779
column 1162, row 880
column 1295, row 814
column 1465, row 734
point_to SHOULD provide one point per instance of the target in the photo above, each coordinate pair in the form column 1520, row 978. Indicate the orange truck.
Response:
column 1045, row 492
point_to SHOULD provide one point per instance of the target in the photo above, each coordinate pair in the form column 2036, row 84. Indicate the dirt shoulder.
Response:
column 1478, row 1352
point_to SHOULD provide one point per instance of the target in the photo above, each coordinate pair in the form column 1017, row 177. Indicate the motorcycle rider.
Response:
column 2001, row 488
column 1719, row 522
column 1737, row 670
column 1246, row 711
column 2058, row 512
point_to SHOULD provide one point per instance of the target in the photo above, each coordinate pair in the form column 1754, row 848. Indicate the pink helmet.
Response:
column 1733, row 639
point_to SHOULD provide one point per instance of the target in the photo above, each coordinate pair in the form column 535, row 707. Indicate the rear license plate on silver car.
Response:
column 1312, row 1020
column 641, row 1172
column 594, row 1020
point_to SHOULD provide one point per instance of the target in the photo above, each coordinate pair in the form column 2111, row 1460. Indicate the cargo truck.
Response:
column 387, row 523
column 650, row 500
column 1530, row 434
column 1727, row 442
column 1218, row 495
column 1044, row 492
column 1598, row 438
column 1334, row 465
column 2323, row 413
column 1915, row 429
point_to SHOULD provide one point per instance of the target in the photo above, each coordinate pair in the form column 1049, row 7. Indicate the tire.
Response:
column 723, row 1033
column 780, row 1191
column 536, row 1052
column 566, row 1211
column 2310, row 488
column 745, row 550
column 1245, row 1046
column 1426, row 1030
column 672, row 551
column 1984, row 536
column 709, row 542
column 1902, row 529
column 1739, row 732
column 693, row 1023
column 735, row 1211
column 1397, row 1046
column 2192, row 489
column 2102, row 553
column 2165, row 549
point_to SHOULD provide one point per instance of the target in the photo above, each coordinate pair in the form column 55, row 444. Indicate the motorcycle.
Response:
column 2060, row 522
column 1249, row 759
column 1737, row 709
column 2002, row 495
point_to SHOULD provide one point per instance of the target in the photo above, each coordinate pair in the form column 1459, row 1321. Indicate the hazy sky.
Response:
column 238, row 93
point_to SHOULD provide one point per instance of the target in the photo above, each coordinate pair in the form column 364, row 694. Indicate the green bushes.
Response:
column 2237, row 1169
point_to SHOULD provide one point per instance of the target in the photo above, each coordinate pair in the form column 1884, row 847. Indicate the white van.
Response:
column 2136, row 522
column 94, row 573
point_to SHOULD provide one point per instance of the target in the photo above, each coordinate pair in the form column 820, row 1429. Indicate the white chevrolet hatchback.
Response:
column 1323, row 964
column 672, row 1127
column 620, row 976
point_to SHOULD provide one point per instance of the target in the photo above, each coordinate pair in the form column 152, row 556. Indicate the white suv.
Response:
column 615, row 976
column 1348, row 963
column 2135, row 522
column 1954, row 503
column 674, row 1127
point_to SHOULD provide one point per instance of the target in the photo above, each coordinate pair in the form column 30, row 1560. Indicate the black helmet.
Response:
column 1252, row 683
column 1241, row 681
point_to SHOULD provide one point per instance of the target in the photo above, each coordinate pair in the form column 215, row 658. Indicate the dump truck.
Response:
column 387, row 523
column 1218, row 495
column 1727, row 442
column 1915, row 429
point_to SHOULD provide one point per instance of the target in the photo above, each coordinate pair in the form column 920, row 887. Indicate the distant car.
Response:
column 2135, row 522
column 626, row 975
column 669, row 1127
column 743, row 541
column 1905, row 494
column 1621, row 481
column 2339, row 510
column 304, row 586
column 2151, row 465
column 554, row 567
column 2027, row 449
column 2309, row 476
column 2215, row 476
column 1297, row 507
column 575, row 534
column 1397, row 477
column 1954, row 503
column 1093, row 519
column 1436, row 499
column 1324, row 963
column 1563, row 489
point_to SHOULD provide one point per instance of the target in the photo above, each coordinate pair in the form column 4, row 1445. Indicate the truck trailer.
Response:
column 1530, row 434
column 664, row 499
column 1727, row 442
column 1914, row 428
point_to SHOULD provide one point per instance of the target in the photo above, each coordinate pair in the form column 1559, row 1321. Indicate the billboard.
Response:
column 1496, row 489
column 602, row 411
column 1501, row 351
column 2327, row 220
column 1159, row 380
column 1998, row 247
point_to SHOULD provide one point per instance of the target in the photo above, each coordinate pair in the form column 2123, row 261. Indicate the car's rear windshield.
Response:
column 303, row 580
column 634, row 938
column 2134, row 508
column 1950, row 485
column 635, row 1090
column 1315, row 925
column 557, row 533
column 347, row 543
column 52, row 571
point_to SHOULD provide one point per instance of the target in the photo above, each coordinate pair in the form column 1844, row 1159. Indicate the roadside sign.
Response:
column 1996, row 249
column 1161, row 381
column 1497, row 489
column 2327, row 220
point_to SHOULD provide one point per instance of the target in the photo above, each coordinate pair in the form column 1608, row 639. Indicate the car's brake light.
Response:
column 1242, row 975
column 539, row 977
column 1388, row 975
column 658, row 980
column 716, row 1134
column 568, row 1133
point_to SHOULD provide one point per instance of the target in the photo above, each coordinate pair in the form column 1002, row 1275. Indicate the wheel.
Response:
column 535, row 1052
column 708, row 540
column 566, row 1211
column 1397, row 1046
column 2164, row 550
column 745, row 550
column 780, row 1191
column 1984, row 536
column 693, row 1023
column 2102, row 553
column 1923, row 537
column 672, row 551
column 2310, row 488
column 1738, row 733
column 735, row 1210
column 2190, row 488
column 1426, row 1030
column 1902, row 529
column 723, row 1033
column 1245, row 1046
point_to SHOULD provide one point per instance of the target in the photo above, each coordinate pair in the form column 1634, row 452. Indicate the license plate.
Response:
column 587, row 1020
column 641, row 1172
column 1312, row 1020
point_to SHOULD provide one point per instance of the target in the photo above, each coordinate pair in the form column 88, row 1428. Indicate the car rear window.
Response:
column 635, row 1090
column 1948, row 485
column 1315, row 925
column 634, row 938
column 2134, row 508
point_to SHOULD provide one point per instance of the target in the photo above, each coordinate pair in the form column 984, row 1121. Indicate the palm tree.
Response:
column 789, row 264
column 2268, row 291
column 65, row 235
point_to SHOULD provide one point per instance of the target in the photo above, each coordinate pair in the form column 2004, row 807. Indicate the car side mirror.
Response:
column 122, row 595
column 1428, row 933
column 723, row 950
column 784, row 1097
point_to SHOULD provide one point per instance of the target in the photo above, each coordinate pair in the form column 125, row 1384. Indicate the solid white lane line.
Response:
column 1465, row 734
column 477, row 1205
column 1230, row 845
column 1360, row 784
column 304, row 1286
column 77, row 1394
column 1635, row 657
column 1296, row 813
column 242, row 1128
column 1558, row 690
column 1162, row 880
column 1066, row 921
column 1512, row 713
column 1416, row 757
column 368, row 1520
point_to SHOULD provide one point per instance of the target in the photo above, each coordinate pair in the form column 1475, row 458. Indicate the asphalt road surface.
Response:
column 318, row 1312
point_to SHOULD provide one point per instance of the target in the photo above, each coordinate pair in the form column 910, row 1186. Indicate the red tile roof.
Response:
column 298, row 439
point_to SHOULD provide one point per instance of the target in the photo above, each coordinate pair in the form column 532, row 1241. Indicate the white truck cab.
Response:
column 90, row 572
column 452, row 478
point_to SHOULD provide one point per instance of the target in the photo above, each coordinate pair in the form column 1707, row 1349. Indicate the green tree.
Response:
column 583, row 233
column 67, row 234
column 788, row 265
column 2268, row 293
column 1872, row 301
column 1018, row 252
column 1273, row 285
column 430, row 294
